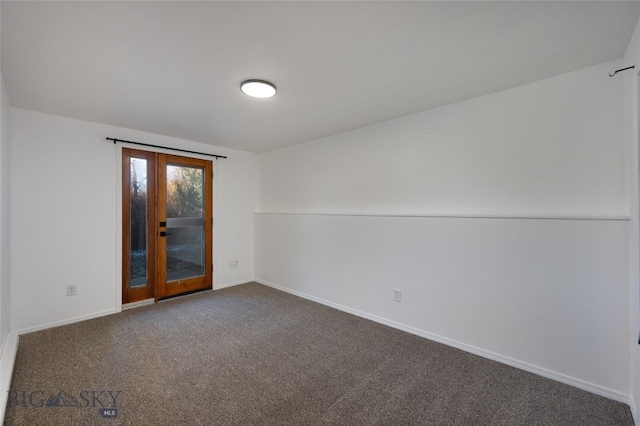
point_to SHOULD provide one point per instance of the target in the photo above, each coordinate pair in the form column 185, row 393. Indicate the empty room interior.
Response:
column 443, row 178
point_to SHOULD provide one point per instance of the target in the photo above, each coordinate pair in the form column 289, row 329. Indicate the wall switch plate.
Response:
column 72, row 290
column 397, row 295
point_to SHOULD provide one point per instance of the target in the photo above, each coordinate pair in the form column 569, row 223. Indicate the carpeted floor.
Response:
column 251, row 355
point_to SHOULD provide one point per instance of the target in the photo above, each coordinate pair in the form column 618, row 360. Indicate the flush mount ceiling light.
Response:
column 258, row 88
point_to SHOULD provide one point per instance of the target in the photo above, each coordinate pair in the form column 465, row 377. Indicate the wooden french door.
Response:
column 184, row 225
column 167, row 225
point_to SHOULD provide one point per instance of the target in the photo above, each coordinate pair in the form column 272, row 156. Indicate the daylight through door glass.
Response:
column 138, row 229
column 185, row 250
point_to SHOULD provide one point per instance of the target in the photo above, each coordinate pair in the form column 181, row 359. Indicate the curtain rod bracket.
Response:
column 621, row 69
column 164, row 147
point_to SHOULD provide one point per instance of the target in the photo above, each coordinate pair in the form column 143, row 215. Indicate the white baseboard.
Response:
column 590, row 387
column 67, row 321
column 232, row 284
column 634, row 411
column 7, row 359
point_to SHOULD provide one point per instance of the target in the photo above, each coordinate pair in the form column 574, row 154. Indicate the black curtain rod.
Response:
column 164, row 147
column 621, row 69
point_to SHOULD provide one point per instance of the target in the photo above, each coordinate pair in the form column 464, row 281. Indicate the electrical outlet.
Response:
column 72, row 290
column 397, row 295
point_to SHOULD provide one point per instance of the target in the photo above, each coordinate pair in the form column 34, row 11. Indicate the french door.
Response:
column 167, row 225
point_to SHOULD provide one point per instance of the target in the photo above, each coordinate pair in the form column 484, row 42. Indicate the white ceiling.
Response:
column 174, row 67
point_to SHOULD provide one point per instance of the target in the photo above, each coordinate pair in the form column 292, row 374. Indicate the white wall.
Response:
column 5, row 133
column 8, row 341
column 549, row 148
column 5, row 215
column 67, row 221
column 512, row 269
column 630, row 79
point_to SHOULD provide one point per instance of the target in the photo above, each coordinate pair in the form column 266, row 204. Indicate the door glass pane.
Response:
column 185, row 222
column 138, row 249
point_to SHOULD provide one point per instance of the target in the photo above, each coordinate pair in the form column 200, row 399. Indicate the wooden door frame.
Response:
column 151, row 290
column 148, row 291
column 188, row 284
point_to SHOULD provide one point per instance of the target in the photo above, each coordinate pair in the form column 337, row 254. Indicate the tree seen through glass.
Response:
column 184, row 191
column 138, row 237
column 185, row 244
column 185, row 234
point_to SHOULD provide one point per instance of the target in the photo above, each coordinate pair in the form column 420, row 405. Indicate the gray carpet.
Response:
column 251, row 355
